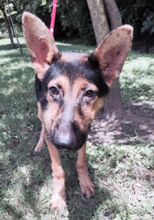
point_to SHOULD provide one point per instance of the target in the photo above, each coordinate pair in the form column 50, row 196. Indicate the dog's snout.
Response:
column 64, row 141
column 68, row 136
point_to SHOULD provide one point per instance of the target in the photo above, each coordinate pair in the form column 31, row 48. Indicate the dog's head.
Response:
column 71, row 87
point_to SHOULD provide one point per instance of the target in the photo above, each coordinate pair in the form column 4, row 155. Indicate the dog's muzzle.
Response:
column 68, row 137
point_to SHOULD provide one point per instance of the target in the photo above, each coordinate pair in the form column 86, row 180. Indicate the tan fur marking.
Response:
column 53, row 113
column 39, row 113
column 58, row 201
column 80, row 84
column 50, row 115
column 61, row 81
column 91, row 108
column 98, row 105
column 41, row 141
column 86, row 185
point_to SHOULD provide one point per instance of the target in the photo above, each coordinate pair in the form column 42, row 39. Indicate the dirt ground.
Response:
column 136, row 126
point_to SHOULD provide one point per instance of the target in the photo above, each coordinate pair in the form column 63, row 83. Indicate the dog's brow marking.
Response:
column 61, row 81
column 82, row 84
column 72, row 89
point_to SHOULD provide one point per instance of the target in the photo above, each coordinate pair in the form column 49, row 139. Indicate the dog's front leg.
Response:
column 58, row 201
column 40, row 143
column 86, row 185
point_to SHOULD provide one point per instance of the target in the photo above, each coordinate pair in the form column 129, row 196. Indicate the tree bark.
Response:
column 99, row 21
column 112, row 13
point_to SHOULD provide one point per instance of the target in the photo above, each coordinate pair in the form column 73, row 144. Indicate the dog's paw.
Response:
column 87, row 186
column 36, row 152
column 58, row 203
column 38, row 148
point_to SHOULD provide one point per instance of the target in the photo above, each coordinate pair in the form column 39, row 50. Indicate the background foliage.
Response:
column 73, row 19
column 139, row 13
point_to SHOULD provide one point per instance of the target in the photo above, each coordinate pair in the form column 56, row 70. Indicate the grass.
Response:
column 137, row 79
column 122, row 173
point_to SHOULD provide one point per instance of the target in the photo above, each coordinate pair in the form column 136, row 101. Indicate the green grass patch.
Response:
column 122, row 173
column 137, row 79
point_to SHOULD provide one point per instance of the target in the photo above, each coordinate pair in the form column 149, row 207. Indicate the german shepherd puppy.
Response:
column 71, row 89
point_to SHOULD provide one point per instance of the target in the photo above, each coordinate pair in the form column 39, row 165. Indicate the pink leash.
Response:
column 53, row 16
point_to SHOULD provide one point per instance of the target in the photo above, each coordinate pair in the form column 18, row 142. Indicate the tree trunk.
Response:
column 8, row 26
column 99, row 20
column 112, row 13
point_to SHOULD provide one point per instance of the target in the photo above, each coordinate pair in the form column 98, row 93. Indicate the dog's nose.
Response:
column 64, row 141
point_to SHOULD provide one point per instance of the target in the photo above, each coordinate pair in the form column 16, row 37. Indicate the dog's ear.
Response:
column 113, row 51
column 40, row 43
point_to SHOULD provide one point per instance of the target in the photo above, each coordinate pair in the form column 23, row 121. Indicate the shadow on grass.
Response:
column 136, row 126
column 78, row 206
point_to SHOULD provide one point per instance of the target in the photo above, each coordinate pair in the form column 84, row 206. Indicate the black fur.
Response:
column 38, row 88
column 40, row 95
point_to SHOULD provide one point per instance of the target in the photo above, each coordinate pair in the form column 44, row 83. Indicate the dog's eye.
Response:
column 54, row 90
column 90, row 93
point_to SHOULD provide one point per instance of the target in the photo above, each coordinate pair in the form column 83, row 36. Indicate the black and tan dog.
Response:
column 71, row 89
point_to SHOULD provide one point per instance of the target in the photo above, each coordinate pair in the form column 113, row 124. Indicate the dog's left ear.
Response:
column 41, row 44
column 113, row 51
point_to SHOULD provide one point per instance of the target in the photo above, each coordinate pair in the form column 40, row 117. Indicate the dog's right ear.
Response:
column 112, row 52
column 40, row 43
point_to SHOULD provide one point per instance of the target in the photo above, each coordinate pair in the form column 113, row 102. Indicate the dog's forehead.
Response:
column 75, row 66
column 72, row 65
